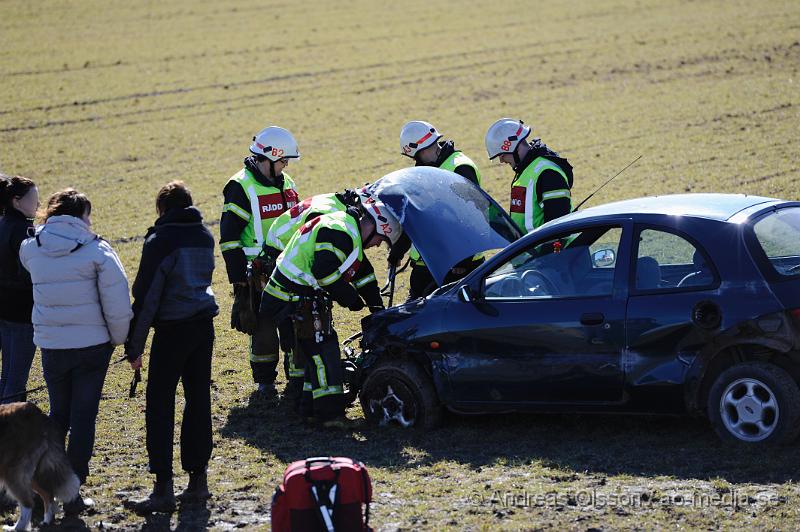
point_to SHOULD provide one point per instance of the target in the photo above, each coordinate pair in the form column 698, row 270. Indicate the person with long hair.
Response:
column 81, row 310
column 19, row 200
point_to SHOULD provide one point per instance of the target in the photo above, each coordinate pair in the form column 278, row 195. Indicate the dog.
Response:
column 32, row 460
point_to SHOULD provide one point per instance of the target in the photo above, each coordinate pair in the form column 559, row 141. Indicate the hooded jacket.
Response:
column 80, row 291
column 173, row 283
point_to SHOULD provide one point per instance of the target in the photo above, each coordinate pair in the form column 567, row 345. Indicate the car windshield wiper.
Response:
column 793, row 268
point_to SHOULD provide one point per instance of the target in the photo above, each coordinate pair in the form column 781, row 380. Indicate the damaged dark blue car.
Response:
column 684, row 304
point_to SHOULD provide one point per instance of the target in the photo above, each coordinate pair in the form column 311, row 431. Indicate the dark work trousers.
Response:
column 323, row 392
column 180, row 351
column 421, row 282
column 265, row 346
column 16, row 352
column 75, row 380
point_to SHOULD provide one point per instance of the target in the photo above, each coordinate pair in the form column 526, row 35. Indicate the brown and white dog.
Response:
column 32, row 459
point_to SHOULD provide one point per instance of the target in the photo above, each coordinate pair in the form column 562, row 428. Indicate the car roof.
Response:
column 719, row 207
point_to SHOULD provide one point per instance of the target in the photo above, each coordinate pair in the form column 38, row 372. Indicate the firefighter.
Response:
column 318, row 266
column 540, row 191
column 421, row 141
column 254, row 197
column 278, row 236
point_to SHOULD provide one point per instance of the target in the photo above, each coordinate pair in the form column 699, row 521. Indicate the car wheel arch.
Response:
column 712, row 363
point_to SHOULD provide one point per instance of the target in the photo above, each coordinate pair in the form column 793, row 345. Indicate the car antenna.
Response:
column 607, row 182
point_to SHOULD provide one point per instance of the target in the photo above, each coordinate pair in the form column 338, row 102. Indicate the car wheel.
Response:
column 755, row 403
column 398, row 391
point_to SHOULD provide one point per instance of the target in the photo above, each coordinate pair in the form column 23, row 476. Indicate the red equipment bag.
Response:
column 323, row 493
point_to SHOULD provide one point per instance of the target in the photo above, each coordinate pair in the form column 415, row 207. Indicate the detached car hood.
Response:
column 447, row 217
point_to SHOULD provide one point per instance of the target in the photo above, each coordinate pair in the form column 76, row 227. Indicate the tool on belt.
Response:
column 313, row 317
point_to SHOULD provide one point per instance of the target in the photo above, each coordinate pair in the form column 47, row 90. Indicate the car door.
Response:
column 547, row 325
column 674, row 289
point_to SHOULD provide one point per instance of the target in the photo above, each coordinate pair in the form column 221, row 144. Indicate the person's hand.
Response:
column 136, row 364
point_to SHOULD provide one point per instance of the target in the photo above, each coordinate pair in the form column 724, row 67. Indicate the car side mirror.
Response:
column 604, row 258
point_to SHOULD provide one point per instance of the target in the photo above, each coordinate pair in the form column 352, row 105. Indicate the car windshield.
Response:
column 778, row 233
column 577, row 264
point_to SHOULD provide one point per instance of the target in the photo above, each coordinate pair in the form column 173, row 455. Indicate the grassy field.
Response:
column 117, row 98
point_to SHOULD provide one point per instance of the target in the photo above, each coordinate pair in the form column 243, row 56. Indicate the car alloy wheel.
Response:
column 755, row 404
column 398, row 391
column 749, row 409
column 391, row 407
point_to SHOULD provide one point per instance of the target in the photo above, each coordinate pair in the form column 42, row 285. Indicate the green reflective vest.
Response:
column 266, row 204
column 526, row 212
column 296, row 260
column 290, row 221
column 455, row 160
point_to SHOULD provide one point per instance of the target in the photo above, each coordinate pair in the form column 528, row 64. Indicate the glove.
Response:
column 243, row 317
column 235, row 322
column 356, row 305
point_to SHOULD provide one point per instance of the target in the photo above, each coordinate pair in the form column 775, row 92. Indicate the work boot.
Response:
column 197, row 490
column 162, row 500
column 77, row 506
column 267, row 391
column 293, row 389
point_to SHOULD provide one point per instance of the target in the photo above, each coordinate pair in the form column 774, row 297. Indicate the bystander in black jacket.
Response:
column 16, row 290
column 174, row 279
column 172, row 292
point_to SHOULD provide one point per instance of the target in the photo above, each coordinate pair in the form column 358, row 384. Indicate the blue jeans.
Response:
column 75, row 380
column 16, row 344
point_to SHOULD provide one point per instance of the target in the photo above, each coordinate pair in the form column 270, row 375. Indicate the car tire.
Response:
column 755, row 403
column 398, row 391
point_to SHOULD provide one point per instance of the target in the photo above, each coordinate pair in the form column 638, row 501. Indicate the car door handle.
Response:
column 592, row 318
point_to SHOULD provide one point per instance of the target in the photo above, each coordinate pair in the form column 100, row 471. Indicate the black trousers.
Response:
column 265, row 346
column 180, row 351
column 323, row 393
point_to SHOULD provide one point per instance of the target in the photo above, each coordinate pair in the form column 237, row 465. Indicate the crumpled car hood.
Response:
column 447, row 218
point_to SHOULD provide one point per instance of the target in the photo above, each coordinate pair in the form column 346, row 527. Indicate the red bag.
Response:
column 323, row 493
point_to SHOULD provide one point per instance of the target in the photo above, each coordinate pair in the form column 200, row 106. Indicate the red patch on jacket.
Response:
column 298, row 209
column 309, row 225
column 271, row 205
column 350, row 273
column 518, row 199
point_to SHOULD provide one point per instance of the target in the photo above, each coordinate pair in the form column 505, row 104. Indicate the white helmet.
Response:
column 504, row 135
column 275, row 143
column 385, row 222
column 417, row 135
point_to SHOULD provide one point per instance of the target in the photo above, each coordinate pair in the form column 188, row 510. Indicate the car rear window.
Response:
column 778, row 234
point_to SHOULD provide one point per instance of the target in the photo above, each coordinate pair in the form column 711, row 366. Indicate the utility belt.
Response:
column 313, row 317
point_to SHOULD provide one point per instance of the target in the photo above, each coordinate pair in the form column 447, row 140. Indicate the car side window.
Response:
column 666, row 261
column 572, row 265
